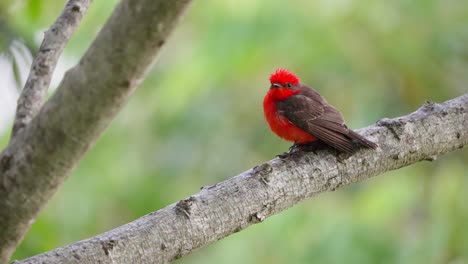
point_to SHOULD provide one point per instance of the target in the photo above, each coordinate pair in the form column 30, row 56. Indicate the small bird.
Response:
column 300, row 114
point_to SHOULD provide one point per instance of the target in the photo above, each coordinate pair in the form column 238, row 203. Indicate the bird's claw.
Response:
column 284, row 155
column 292, row 149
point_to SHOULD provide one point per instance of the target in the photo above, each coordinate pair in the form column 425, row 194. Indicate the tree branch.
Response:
column 42, row 68
column 230, row 206
column 37, row 160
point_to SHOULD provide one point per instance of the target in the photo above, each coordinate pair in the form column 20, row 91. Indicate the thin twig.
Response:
column 55, row 40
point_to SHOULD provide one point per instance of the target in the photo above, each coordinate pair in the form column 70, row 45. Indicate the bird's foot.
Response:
column 297, row 148
column 292, row 149
column 284, row 155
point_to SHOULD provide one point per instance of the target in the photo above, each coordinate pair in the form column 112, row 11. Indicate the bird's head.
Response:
column 283, row 78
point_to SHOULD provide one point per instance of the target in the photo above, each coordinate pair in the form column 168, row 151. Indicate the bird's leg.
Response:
column 306, row 147
column 291, row 149
column 294, row 148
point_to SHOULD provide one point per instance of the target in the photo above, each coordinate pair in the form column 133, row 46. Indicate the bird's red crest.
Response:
column 283, row 76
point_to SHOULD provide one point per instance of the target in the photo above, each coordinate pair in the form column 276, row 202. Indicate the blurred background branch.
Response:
column 228, row 207
column 38, row 160
column 43, row 65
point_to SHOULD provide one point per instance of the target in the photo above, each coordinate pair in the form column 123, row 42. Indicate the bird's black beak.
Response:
column 275, row 85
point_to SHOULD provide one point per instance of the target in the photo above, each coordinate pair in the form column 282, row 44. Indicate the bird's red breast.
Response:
column 278, row 123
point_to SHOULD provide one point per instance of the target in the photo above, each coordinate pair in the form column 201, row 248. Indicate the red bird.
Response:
column 300, row 114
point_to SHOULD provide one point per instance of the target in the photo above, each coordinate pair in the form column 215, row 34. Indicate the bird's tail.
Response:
column 362, row 140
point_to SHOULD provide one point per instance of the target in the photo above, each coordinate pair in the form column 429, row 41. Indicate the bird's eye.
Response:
column 289, row 85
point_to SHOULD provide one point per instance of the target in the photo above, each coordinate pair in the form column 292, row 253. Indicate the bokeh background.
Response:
column 197, row 120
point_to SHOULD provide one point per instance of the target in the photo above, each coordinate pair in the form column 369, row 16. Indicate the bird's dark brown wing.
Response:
column 309, row 111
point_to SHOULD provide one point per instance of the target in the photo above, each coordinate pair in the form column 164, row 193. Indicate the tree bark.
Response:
column 230, row 206
column 38, row 159
column 42, row 68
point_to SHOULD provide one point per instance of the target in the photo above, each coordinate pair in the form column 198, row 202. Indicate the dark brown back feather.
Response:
column 309, row 111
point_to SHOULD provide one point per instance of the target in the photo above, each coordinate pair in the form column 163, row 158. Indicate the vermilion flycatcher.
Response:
column 300, row 114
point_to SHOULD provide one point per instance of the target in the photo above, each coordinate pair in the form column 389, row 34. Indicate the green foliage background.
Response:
column 197, row 119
